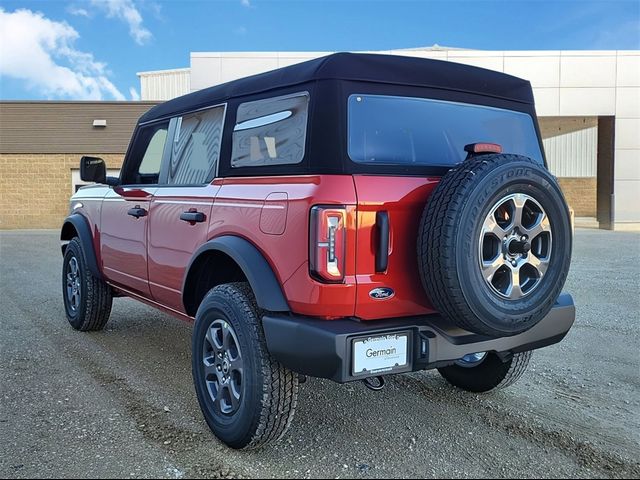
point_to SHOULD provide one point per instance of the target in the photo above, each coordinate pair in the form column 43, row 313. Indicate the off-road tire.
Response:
column 269, row 390
column 450, row 228
column 92, row 312
column 492, row 373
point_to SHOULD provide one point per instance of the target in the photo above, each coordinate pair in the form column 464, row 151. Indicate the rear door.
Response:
column 397, row 202
column 414, row 141
column 181, row 208
column 125, row 211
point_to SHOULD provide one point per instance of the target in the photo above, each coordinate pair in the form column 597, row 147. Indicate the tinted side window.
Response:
column 145, row 158
column 195, row 149
column 270, row 131
column 152, row 157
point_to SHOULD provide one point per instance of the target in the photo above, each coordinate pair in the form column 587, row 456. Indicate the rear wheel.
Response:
column 87, row 299
column 482, row 372
column 248, row 399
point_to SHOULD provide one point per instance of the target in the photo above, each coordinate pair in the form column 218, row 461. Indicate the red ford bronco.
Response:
column 347, row 218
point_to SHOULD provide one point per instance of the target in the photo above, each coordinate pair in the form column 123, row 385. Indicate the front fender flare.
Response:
column 259, row 274
column 81, row 226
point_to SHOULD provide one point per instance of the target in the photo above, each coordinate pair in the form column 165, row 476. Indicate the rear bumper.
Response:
column 323, row 348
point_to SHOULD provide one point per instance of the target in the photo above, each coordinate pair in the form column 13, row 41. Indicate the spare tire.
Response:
column 494, row 245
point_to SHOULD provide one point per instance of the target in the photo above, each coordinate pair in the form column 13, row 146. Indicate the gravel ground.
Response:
column 119, row 403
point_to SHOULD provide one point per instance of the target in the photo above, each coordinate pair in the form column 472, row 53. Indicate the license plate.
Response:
column 380, row 354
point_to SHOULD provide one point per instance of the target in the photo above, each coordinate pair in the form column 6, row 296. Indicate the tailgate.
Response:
column 402, row 201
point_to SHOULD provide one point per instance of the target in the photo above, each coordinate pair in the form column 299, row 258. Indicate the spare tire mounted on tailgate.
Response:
column 494, row 245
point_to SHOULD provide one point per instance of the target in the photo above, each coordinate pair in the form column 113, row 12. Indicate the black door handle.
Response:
column 193, row 217
column 382, row 252
column 137, row 212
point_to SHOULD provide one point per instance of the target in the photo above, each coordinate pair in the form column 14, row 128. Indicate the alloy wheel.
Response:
column 515, row 246
column 223, row 367
column 74, row 286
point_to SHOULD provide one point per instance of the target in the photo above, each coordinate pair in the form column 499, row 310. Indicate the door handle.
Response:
column 137, row 212
column 382, row 252
column 193, row 217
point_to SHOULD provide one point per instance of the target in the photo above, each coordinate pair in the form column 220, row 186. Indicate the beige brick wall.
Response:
column 35, row 188
column 581, row 195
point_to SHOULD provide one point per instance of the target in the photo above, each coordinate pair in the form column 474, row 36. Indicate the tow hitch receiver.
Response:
column 374, row 383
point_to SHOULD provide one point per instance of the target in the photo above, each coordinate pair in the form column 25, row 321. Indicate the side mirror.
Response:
column 93, row 169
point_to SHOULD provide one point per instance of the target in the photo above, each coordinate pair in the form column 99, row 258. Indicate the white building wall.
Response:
column 627, row 138
column 565, row 84
column 164, row 84
column 213, row 68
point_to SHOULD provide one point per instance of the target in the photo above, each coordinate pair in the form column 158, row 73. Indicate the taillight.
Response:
column 327, row 243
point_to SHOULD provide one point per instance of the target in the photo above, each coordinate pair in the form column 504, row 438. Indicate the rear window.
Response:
column 389, row 130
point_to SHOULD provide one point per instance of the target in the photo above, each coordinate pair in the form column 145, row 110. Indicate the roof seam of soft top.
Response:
column 324, row 62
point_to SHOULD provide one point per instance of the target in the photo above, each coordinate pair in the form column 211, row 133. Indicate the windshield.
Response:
column 388, row 130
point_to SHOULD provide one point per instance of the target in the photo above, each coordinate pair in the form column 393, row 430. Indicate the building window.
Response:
column 270, row 131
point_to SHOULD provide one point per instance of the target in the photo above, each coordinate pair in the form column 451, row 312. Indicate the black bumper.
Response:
column 323, row 348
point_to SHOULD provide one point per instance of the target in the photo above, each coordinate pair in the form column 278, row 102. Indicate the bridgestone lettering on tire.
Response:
column 265, row 392
column 494, row 245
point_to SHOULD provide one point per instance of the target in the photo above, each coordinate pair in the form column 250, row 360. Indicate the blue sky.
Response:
column 92, row 49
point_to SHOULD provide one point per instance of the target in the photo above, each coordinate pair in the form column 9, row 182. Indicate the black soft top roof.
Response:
column 376, row 68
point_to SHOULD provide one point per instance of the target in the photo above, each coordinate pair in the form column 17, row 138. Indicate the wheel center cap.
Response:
column 225, row 366
column 518, row 247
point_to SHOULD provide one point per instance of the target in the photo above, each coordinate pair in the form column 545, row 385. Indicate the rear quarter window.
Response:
column 392, row 130
column 271, row 131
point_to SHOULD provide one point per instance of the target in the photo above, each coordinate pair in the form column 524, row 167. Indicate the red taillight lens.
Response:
column 327, row 243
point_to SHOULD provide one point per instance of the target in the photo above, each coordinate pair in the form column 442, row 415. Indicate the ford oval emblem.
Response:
column 382, row 293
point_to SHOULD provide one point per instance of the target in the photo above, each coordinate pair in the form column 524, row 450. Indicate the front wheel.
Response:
column 481, row 372
column 248, row 399
column 87, row 299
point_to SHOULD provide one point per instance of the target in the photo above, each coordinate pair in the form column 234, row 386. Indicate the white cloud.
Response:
column 135, row 96
column 126, row 11
column 42, row 54
column 245, row 3
column 77, row 11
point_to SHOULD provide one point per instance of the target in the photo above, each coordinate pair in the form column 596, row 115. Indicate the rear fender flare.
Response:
column 259, row 274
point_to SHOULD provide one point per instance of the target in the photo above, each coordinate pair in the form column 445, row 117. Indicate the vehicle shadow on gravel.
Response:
column 417, row 426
